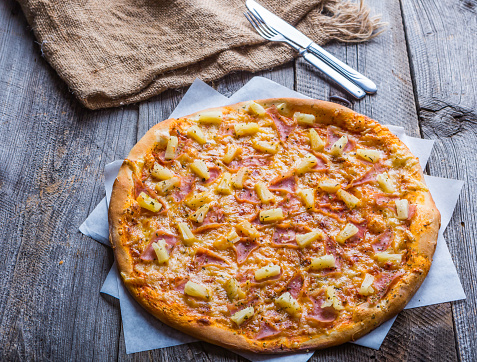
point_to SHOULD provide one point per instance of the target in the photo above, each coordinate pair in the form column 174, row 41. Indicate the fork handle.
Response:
column 345, row 83
column 365, row 83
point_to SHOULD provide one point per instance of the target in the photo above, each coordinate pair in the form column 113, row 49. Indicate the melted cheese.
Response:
column 239, row 241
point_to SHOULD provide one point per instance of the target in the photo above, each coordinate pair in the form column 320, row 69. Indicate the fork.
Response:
column 270, row 34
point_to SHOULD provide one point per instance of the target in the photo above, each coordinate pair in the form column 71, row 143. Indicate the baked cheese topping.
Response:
column 268, row 222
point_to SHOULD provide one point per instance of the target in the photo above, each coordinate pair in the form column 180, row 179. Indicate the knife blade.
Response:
column 306, row 43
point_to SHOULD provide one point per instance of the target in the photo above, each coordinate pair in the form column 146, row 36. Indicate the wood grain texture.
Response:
column 52, row 153
column 443, row 51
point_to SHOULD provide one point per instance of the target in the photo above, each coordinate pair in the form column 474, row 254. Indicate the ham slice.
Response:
column 412, row 211
column 267, row 330
column 226, row 129
column 290, row 204
column 368, row 177
column 207, row 257
column 284, row 236
column 235, row 307
column 243, row 248
column 331, row 248
column 149, row 254
column 214, row 216
column 321, row 164
column 283, row 125
column 247, row 196
column 284, row 184
column 179, row 284
column 214, row 172
column 333, row 137
column 159, row 156
column 383, row 241
column 250, row 161
column 321, row 315
column 186, row 187
column 213, row 220
column 295, row 285
column 382, row 283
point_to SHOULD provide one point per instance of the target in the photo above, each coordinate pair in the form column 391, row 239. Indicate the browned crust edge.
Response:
column 365, row 319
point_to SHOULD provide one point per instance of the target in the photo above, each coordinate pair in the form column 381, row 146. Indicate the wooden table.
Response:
column 53, row 152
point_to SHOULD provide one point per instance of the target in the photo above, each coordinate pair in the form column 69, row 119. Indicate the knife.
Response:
column 306, row 43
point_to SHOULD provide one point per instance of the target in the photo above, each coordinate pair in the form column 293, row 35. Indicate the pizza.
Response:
column 273, row 225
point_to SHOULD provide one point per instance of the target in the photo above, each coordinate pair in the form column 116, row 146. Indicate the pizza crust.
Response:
column 365, row 319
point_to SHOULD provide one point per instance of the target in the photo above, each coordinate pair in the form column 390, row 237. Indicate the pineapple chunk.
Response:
column 239, row 178
column 323, row 262
column 161, row 173
column 385, row 182
column 149, row 203
column 247, row 229
column 200, row 214
column 283, row 109
column 307, row 198
column 306, row 163
column 231, row 153
column 328, row 185
column 402, row 207
column 271, row 215
column 186, row 233
column 196, row 290
column 171, row 148
column 304, row 119
column 350, row 200
column 233, row 290
column 369, row 155
column 224, row 187
column 161, row 251
column 256, row 108
column 266, row 147
column 366, row 286
column 303, row 240
column 385, row 256
column 211, row 117
column 332, row 299
column 167, row 185
column 316, row 143
column 264, row 193
column 162, row 137
column 196, row 134
column 232, row 237
column 339, row 146
column 245, row 129
column 198, row 200
column 348, row 231
column 267, row 272
column 200, row 169
column 288, row 303
column 243, row 315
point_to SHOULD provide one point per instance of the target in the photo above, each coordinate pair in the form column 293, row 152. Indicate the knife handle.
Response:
column 349, row 86
column 356, row 77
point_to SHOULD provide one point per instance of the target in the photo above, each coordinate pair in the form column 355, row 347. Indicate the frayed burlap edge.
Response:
column 334, row 20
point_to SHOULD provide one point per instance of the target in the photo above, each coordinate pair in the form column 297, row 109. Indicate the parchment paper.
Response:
column 143, row 332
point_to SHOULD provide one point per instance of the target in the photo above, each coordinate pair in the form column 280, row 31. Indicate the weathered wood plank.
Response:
column 385, row 61
column 442, row 42
column 52, row 153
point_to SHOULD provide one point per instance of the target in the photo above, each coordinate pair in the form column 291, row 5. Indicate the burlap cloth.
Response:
column 115, row 52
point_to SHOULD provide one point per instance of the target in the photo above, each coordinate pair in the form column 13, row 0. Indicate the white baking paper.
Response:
column 441, row 285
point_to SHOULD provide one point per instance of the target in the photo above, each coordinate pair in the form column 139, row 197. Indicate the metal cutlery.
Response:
column 299, row 39
column 266, row 32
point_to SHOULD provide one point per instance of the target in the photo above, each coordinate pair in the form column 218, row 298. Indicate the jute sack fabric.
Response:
column 111, row 53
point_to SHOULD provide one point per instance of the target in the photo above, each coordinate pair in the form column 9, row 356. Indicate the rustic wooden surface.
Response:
column 53, row 151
